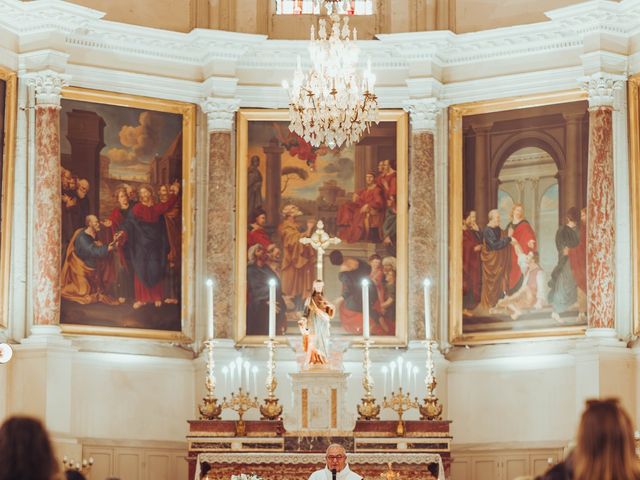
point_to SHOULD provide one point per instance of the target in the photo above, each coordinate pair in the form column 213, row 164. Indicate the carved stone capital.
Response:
column 48, row 86
column 601, row 88
column 220, row 113
column 423, row 113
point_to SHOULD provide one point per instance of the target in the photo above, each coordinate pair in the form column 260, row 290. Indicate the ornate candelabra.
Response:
column 271, row 409
column 84, row 467
column 430, row 409
column 209, row 408
column 400, row 403
column 240, row 403
column 368, row 410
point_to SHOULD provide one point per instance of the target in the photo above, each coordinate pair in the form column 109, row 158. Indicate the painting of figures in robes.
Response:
column 123, row 170
column 358, row 192
column 7, row 144
column 518, row 175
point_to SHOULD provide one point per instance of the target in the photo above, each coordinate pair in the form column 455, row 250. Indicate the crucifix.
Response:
column 320, row 241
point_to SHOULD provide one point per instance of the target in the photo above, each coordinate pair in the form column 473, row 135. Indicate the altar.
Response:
column 283, row 466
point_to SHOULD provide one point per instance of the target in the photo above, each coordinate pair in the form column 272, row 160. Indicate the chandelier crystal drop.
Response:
column 331, row 104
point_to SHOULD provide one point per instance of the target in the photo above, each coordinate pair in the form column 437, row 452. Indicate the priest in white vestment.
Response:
column 336, row 460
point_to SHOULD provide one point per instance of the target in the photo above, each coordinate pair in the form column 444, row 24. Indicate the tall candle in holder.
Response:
column 210, row 330
column 427, row 309
column 272, row 308
column 365, row 308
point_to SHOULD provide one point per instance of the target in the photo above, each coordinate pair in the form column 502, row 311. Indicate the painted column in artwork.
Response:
column 423, row 247
column 220, row 250
column 47, row 211
column 601, row 233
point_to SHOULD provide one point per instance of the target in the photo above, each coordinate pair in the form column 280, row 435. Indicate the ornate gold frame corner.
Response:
column 402, row 153
column 6, row 200
column 456, row 115
column 188, row 112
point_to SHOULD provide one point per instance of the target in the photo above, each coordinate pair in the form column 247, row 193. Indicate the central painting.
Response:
column 358, row 192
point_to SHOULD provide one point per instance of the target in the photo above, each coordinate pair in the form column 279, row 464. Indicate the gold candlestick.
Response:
column 368, row 410
column 209, row 408
column 271, row 410
column 240, row 403
column 430, row 409
column 400, row 403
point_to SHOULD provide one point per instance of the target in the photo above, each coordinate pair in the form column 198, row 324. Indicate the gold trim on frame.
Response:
column 456, row 113
column 402, row 167
column 6, row 200
column 633, row 101
column 188, row 112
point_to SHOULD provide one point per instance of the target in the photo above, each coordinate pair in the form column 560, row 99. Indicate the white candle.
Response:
column 427, row 309
column 392, row 366
column 232, row 374
column 365, row 308
column 272, row 308
column 210, row 330
column 415, row 378
column 254, row 370
column 239, row 368
column 385, row 370
column 400, row 361
column 247, row 369
column 225, row 373
column 409, row 367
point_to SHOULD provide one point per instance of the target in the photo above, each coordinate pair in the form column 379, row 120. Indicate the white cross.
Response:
column 320, row 241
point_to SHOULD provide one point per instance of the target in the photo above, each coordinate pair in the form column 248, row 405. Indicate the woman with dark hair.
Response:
column 25, row 451
column 205, row 468
column 74, row 475
column 605, row 446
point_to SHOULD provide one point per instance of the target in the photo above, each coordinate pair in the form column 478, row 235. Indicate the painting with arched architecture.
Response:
column 520, row 221
column 123, row 207
column 286, row 187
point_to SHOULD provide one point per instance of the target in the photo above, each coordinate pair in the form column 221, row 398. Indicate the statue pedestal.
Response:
column 319, row 397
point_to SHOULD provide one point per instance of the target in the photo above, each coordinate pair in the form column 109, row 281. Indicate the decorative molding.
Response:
column 220, row 113
column 424, row 113
column 48, row 85
column 601, row 88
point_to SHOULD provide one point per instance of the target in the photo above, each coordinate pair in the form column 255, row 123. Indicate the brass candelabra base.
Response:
column 368, row 409
column 210, row 409
column 430, row 409
column 271, row 409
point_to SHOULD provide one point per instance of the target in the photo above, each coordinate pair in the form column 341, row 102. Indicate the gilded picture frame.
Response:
column 633, row 86
column 265, row 134
column 8, row 111
column 144, row 147
column 525, row 134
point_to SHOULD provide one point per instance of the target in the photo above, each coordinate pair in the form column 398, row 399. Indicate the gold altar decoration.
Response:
column 271, row 409
column 430, row 409
column 390, row 474
column 84, row 467
column 368, row 410
column 400, row 403
column 240, row 403
column 209, row 408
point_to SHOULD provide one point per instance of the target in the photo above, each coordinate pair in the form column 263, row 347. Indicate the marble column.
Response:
column 221, row 210
column 423, row 222
column 47, row 208
column 601, row 233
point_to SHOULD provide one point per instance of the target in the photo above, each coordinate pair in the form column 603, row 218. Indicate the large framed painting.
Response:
column 634, row 185
column 285, row 186
column 126, row 215
column 8, row 106
column 518, row 189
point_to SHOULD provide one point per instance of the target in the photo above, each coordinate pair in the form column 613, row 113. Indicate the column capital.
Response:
column 423, row 113
column 601, row 88
column 220, row 113
column 48, row 86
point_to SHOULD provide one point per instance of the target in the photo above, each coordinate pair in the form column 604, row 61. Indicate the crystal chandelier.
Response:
column 331, row 104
